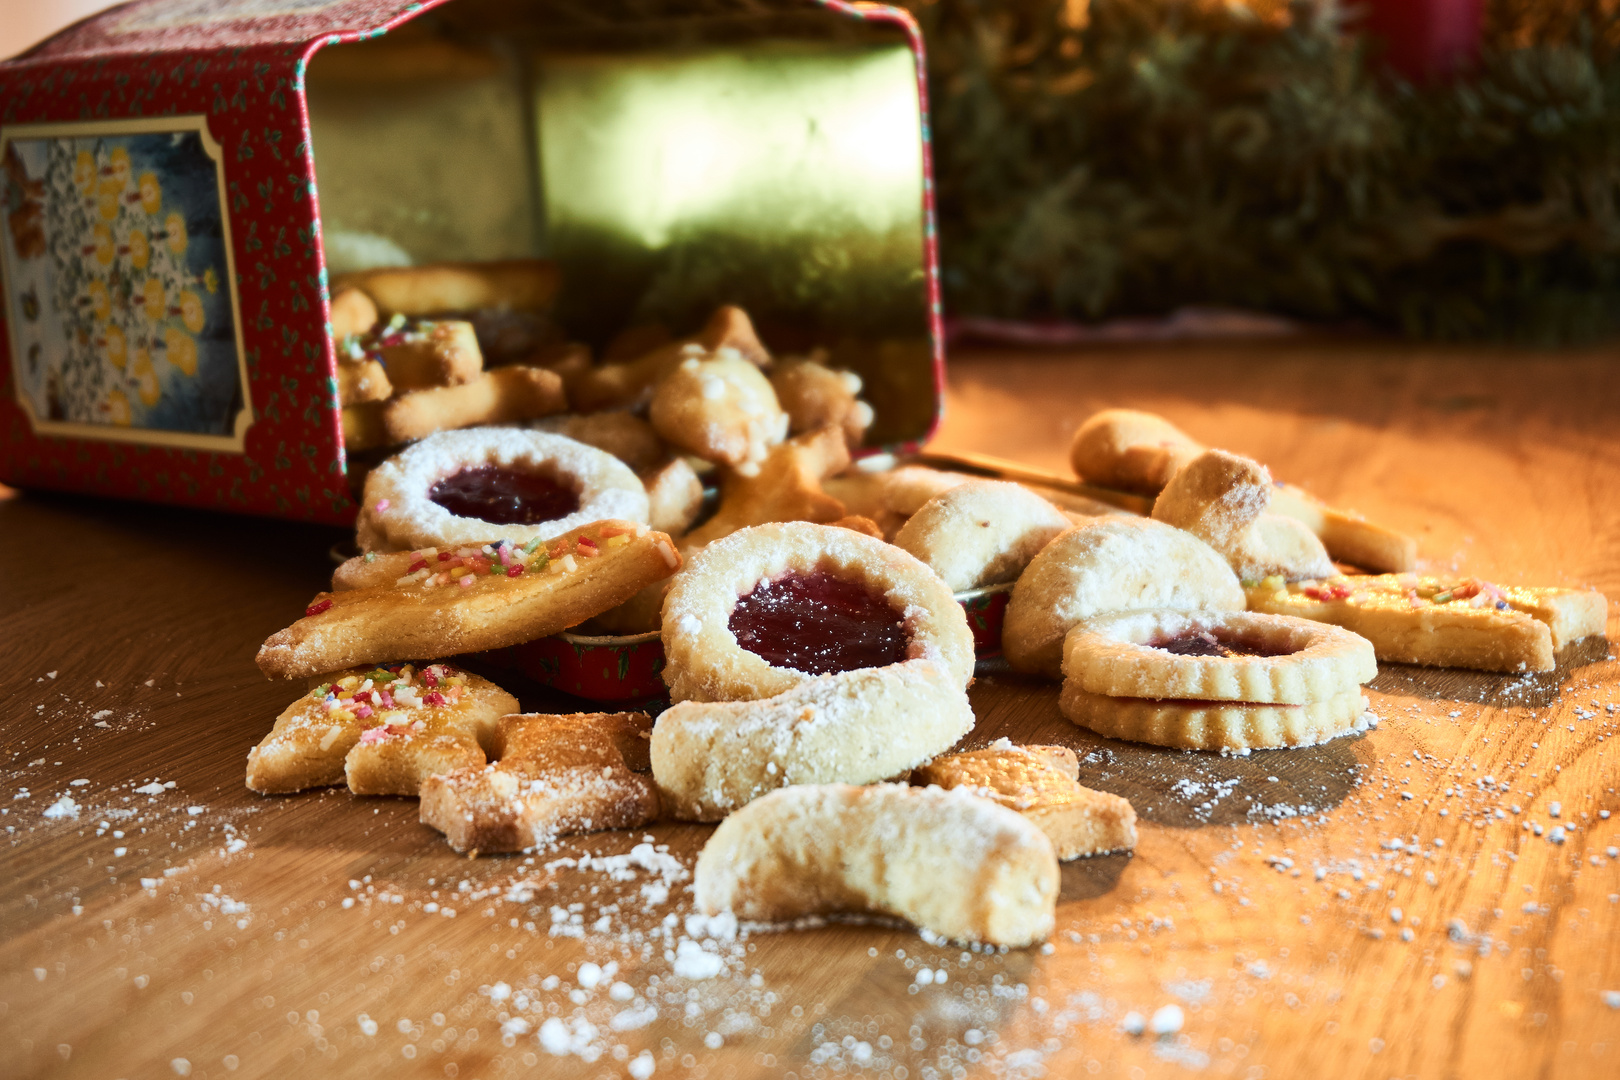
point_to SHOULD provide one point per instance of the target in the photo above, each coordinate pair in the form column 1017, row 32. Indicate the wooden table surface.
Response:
column 1390, row 904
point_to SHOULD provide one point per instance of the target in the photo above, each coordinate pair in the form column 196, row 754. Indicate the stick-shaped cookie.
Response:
column 445, row 288
column 383, row 729
column 1043, row 784
column 511, row 595
column 557, row 774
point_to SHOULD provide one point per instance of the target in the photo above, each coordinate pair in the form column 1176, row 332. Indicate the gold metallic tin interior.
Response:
column 669, row 157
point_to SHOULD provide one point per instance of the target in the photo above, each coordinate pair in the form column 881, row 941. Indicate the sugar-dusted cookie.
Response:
column 504, row 396
column 674, row 496
column 786, row 488
column 382, row 729
column 1043, row 784
column 483, row 484
column 771, row 606
column 629, row 384
column 814, row 395
column 719, row 408
column 1131, row 450
column 557, row 774
column 1216, row 655
column 1347, row 536
column 471, row 599
column 857, row 727
column 457, row 287
column 1113, row 564
column 983, row 532
column 1444, row 621
column 1221, row 498
column 957, row 865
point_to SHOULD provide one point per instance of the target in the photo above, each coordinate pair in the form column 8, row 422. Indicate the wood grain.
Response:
column 1261, row 900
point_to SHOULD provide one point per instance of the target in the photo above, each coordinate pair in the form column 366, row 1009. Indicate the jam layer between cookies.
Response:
column 504, row 496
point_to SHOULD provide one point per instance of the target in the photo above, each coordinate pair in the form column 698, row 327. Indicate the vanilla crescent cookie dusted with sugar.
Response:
column 950, row 862
column 1115, row 564
column 1227, row 681
column 983, row 532
column 758, row 612
column 481, row 485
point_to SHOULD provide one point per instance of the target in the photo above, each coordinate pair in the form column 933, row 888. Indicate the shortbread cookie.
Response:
column 674, row 497
column 814, row 395
column 952, row 863
column 1043, row 784
column 557, row 775
column 1221, row 498
column 719, row 408
column 462, row 487
column 1131, row 450
column 456, row 287
column 420, row 354
column 629, row 385
column 1216, row 655
column 362, row 380
column 1444, row 621
column 1347, row 536
column 503, row 396
column 786, row 488
column 1224, row 726
column 907, row 488
column 855, row 727
column 769, row 607
column 624, row 435
column 352, row 313
column 1114, row 564
column 983, row 532
column 383, row 729
column 505, row 597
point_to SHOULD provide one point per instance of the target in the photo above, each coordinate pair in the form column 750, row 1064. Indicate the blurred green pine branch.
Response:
column 1128, row 157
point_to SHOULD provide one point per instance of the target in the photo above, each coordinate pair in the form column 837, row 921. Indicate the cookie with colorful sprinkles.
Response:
column 382, row 729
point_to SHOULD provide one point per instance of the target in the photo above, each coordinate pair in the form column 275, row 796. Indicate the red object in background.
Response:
column 1424, row 39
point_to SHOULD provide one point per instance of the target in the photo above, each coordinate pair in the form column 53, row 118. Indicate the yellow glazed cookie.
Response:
column 1042, row 783
column 470, row 599
column 957, row 865
column 1444, row 621
column 1112, row 564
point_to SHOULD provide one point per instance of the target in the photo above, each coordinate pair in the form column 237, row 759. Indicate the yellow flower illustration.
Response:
column 117, row 177
column 175, row 226
column 151, row 193
column 115, row 347
column 100, row 303
column 156, row 299
column 140, row 250
column 211, row 280
column 84, row 172
column 107, row 205
column 182, row 350
column 118, row 407
column 146, row 380
column 191, row 311
column 105, row 248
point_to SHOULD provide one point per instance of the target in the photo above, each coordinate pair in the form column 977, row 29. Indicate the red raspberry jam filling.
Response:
column 504, row 496
column 1204, row 643
column 819, row 624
